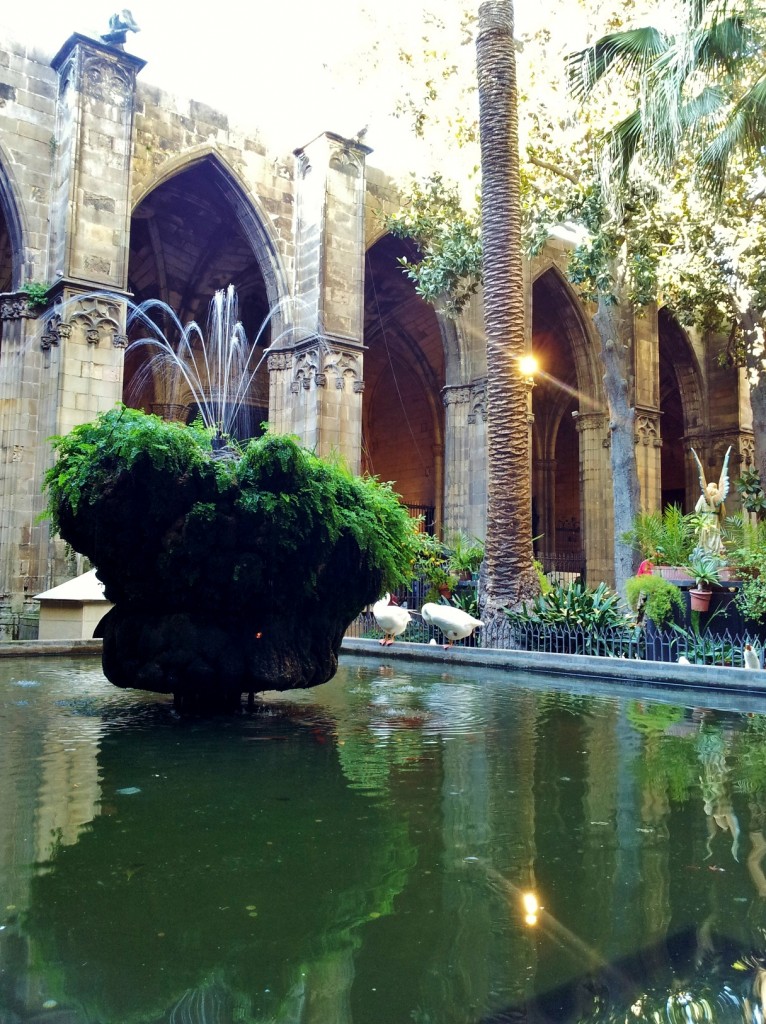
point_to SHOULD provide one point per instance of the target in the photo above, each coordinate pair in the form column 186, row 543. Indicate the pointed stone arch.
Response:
column 250, row 213
column 13, row 268
column 568, row 420
column 194, row 232
column 681, row 401
column 407, row 351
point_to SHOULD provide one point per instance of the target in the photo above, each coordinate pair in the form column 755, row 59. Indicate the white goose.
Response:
column 453, row 622
column 392, row 618
column 752, row 660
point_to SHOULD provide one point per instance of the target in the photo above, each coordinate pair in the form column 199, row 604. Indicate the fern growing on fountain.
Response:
column 228, row 575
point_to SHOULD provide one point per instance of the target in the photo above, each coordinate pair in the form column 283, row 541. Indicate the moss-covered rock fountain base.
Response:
column 231, row 572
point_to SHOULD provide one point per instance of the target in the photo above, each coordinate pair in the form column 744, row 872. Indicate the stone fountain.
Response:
column 233, row 567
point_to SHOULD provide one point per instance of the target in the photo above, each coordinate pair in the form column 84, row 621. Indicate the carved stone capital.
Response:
column 647, row 430
column 16, row 306
column 747, row 450
column 478, row 413
column 96, row 318
column 344, row 366
column 590, row 421
column 456, row 395
column 280, row 361
column 305, row 369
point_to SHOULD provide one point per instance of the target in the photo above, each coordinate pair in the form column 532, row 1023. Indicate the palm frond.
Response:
column 630, row 53
column 621, row 143
column 745, row 129
column 723, row 44
column 704, row 108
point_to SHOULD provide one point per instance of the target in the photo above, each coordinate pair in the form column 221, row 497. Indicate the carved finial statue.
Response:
column 119, row 26
column 710, row 507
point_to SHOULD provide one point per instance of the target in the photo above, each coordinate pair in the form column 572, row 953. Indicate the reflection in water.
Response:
column 391, row 847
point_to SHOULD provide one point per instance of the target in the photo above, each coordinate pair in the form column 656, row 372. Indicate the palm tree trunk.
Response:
column 508, row 574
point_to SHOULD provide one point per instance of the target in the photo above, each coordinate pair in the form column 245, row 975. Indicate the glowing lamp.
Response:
column 528, row 365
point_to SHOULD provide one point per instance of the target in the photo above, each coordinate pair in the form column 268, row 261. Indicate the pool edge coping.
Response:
column 710, row 678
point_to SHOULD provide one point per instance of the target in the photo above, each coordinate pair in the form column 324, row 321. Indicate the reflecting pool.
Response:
column 398, row 846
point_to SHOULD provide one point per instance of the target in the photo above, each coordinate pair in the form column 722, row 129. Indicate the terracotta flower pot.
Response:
column 700, row 600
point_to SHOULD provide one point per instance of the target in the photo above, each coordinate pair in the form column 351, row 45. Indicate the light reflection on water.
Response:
column 395, row 846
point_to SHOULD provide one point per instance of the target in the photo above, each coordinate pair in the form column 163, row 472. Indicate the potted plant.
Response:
column 705, row 569
column 432, row 564
column 664, row 538
column 465, row 555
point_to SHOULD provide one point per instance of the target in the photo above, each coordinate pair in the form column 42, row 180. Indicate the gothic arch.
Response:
column 681, row 406
column 567, row 383
column 250, row 214
column 576, row 327
column 407, row 350
column 194, row 233
column 12, row 231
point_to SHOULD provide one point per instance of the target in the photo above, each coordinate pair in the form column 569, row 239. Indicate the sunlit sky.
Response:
column 288, row 68
column 283, row 67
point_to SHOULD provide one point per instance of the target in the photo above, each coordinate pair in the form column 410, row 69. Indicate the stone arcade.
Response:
column 108, row 184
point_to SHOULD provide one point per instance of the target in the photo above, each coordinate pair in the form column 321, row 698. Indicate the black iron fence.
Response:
column 563, row 567
column 644, row 643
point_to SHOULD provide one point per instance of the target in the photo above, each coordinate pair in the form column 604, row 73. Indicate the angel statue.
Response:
column 710, row 507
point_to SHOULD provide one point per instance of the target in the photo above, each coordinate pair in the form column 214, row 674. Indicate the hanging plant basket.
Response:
column 700, row 600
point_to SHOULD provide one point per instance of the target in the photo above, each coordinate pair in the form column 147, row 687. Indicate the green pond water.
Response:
column 360, row 853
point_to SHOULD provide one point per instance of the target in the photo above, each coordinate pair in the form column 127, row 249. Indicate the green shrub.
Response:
column 662, row 597
column 574, row 606
column 751, row 492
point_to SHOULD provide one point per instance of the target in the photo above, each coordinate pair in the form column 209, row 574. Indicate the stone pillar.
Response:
column 323, row 404
column 90, row 209
column 315, row 392
column 545, row 480
column 465, row 473
column 596, row 497
column 646, row 376
column 22, row 424
column 64, row 369
column 648, row 449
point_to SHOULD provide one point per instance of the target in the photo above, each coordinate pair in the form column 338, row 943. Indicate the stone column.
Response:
column 646, row 375
column 596, row 497
column 465, row 473
column 316, row 393
column 320, row 395
column 66, row 368
column 90, row 207
column 648, row 450
column 545, row 480
column 22, row 424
